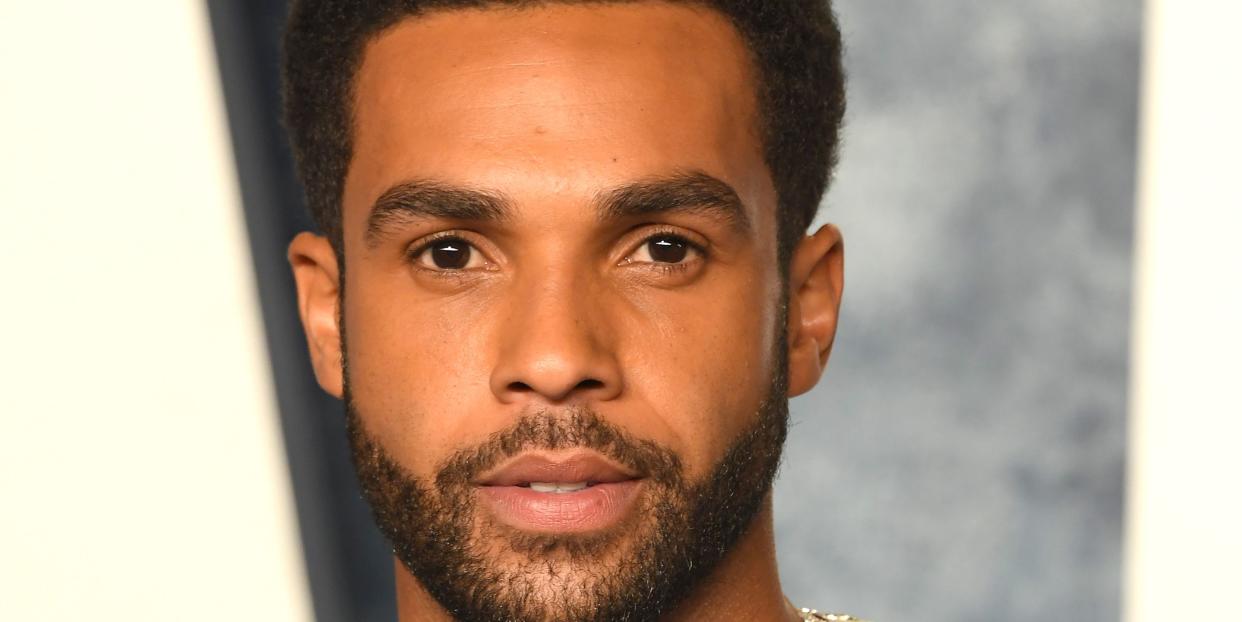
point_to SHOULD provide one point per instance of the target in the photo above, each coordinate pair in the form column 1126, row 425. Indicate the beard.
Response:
column 637, row 570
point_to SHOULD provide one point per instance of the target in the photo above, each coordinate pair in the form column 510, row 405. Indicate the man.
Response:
column 565, row 289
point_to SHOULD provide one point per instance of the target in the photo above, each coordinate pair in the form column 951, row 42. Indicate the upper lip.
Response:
column 579, row 466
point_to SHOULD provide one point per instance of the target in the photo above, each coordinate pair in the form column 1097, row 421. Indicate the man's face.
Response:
column 560, row 270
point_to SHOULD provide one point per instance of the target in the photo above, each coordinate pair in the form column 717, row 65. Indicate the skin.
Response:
column 552, row 108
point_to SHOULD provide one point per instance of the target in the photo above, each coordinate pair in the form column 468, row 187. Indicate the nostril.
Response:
column 519, row 387
column 588, row 384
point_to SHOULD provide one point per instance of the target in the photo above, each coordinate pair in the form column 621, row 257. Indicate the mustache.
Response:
column 550, row 430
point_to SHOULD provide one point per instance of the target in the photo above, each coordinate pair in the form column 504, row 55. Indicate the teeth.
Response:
column 557, row 487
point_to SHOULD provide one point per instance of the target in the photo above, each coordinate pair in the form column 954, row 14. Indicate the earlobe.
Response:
column 816, row 280
column 317, row 275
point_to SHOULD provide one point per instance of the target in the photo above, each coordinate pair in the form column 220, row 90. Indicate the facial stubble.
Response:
column 636, row 571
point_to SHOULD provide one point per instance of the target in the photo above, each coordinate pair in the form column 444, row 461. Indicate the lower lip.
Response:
column 595, row 507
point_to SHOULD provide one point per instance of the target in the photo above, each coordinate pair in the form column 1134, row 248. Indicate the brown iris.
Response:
column 450, row 253
column 667, row 249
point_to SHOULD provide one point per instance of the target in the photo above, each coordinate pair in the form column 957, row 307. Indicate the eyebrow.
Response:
column 416, row 200
column 692, row 192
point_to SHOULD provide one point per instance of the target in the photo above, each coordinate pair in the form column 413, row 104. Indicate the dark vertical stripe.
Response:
column 348, row 564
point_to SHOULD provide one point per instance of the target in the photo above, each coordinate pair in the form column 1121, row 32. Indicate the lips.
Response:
column 559, row 493
column 580, row 466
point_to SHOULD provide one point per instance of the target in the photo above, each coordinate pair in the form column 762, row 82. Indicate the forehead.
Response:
column 555, row 100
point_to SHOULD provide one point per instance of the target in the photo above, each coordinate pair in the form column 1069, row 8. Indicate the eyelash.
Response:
column 430, row 240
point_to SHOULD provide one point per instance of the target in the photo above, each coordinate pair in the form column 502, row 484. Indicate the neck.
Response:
column 744, row 586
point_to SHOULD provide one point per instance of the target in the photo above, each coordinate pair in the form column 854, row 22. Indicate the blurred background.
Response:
column 964, row 459
column 1029, row 411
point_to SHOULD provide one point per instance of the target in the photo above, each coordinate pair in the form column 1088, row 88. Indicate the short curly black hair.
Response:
column 795, row 44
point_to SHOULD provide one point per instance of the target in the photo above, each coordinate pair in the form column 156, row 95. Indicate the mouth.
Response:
column 574, row 492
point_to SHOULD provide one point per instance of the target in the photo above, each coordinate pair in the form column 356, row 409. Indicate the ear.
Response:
column 816, row 278
column 318, row 280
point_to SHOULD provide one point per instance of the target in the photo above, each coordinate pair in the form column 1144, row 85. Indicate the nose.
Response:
column 555, row 346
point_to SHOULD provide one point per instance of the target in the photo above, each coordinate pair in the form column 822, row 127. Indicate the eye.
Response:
column 665, row 249
column 449, row 253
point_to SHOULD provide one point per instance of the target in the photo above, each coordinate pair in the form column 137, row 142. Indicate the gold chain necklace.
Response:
column 811, row 615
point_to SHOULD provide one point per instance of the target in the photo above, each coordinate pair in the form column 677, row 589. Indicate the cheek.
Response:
column 418, row 371
column 705, row 363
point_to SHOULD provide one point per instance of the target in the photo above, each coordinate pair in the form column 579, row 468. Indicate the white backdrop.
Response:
column 142, row 474
column 1185, row 512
